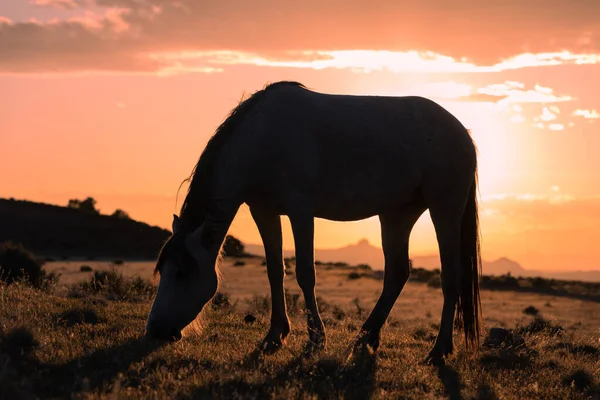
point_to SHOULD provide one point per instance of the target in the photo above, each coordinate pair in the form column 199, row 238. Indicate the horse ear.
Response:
column 176, row 223
column 192, row 242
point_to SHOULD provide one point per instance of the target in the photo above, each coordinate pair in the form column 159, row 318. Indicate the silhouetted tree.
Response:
column 120, row 214
column 74, row 203
column 87, row 205
column 233, row 247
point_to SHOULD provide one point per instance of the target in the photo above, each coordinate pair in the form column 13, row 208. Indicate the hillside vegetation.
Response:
column 67, row 232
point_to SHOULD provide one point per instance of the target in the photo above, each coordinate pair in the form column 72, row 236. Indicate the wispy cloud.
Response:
column 62, row 4
column 365, row 61
column 515, row 92
column 588, row 114
column 197, row 36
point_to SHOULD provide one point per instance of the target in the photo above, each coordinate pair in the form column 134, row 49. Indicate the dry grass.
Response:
column 90, row 346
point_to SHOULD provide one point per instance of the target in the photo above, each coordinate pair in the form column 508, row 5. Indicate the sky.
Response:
column 116, row 99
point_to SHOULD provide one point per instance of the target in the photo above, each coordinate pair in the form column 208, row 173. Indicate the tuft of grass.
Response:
column 531, row 310
column 81, row 315
column 538, row 325
column 579, row 379
column 114, row 286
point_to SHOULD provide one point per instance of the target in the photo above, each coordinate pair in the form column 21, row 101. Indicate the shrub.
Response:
column 85, row 268
column 239, row 263
column 354, row 275
column 338, row 313
column 232, row 247
column 539, row 324
column 115, row 286
column 531, row 310
column 120, row 214
column 220, row 300
column 16, row 264
column 435, row 281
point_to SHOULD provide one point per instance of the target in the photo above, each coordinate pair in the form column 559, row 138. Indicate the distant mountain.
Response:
column 365, row 253
column 62, row 232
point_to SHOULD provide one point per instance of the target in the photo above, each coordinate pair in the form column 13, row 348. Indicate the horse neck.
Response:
column 215, row 225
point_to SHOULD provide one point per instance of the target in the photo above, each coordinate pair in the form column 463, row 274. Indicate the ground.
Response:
column 86, row 341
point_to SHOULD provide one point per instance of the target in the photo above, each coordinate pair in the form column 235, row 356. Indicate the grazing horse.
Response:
column 287, row 150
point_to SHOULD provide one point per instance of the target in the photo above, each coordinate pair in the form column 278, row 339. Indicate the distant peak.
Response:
column 363, row 242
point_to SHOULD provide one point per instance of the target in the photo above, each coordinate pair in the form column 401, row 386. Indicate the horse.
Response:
column 290, row 151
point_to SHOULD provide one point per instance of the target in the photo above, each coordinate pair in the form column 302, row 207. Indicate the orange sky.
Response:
column 115, row 99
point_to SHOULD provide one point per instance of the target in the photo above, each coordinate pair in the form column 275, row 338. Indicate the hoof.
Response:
column 368, row 338
column 272, row 342
column 437, row 357
column 318, row 339
column 270, row 346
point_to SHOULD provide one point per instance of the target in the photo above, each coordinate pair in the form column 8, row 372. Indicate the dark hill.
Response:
column 61, row 232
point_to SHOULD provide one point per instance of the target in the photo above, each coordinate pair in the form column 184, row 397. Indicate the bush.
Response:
column 115, row 286
column 85, row 268
column 220, row 300
column 239, row 263
column 232, row 247
column 435, row 281
column 120, row 214
column 16, row 264
column 338, row 313
column 531, row 310
column 354, row 275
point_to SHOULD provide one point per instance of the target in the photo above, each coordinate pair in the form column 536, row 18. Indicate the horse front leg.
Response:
column 269, row 227
column 303, row 230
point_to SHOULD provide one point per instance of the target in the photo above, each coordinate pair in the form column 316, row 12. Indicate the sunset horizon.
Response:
column 116, row 99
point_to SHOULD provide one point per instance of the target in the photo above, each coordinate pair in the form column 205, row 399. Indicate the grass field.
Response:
column 86, row 340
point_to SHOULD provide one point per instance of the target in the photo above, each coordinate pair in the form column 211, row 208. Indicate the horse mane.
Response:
column 197, row 201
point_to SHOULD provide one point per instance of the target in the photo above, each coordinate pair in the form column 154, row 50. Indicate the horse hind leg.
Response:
column 446, row 215
column 269, row 227
column 395, row 232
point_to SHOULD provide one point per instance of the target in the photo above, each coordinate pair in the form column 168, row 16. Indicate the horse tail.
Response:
column 469, row 303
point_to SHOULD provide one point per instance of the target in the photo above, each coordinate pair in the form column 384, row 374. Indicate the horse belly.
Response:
column 355, row 191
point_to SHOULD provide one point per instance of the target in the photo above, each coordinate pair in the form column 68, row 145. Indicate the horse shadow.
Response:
column 95, row 370
column 310, row 374
column 450, row 380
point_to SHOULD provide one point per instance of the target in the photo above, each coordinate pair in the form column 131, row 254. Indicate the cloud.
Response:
column 398, row 36
column 515, row 92
column 587, row 114
column 62, row 4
